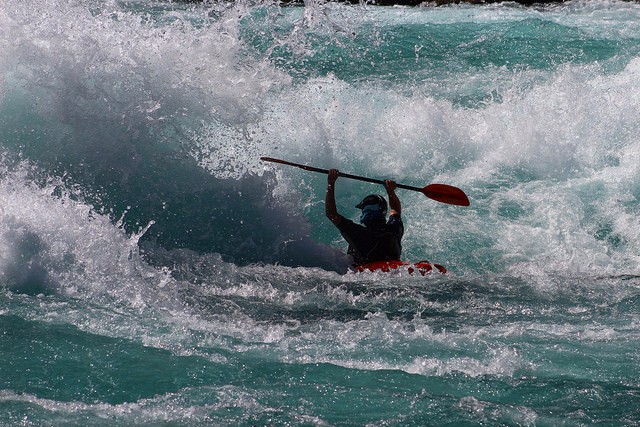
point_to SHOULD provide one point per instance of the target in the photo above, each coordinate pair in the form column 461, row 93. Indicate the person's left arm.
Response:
column 395, row 208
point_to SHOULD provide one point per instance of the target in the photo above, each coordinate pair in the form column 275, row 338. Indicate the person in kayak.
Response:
column 377, row 239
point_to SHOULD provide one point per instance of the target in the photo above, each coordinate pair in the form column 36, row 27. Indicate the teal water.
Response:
column 154, row 272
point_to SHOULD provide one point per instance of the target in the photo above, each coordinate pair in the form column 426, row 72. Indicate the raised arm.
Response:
column 395, row 207
column 330, row 198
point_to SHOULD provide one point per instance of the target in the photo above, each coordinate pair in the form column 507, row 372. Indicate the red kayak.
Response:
column 423, row 267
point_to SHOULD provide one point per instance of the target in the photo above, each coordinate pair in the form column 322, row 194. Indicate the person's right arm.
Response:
column 330, row 208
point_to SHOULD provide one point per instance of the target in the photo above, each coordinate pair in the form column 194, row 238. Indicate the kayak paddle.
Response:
column 439, row 192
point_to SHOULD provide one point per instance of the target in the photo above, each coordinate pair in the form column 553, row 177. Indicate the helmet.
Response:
column 373, row 199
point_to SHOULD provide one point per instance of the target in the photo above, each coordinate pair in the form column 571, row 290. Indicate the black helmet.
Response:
column 373, row 199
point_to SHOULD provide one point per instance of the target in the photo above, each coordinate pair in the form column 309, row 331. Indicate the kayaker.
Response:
column 377, row 239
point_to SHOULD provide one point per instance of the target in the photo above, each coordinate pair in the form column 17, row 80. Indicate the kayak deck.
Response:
column 421, row 267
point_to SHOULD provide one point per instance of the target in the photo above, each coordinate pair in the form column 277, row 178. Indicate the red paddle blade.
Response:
column 446, row 194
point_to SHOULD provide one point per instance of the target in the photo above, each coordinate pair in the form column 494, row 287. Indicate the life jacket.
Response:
column 387, row 248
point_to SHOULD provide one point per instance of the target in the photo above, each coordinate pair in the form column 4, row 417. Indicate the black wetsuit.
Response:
column 369, row 244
